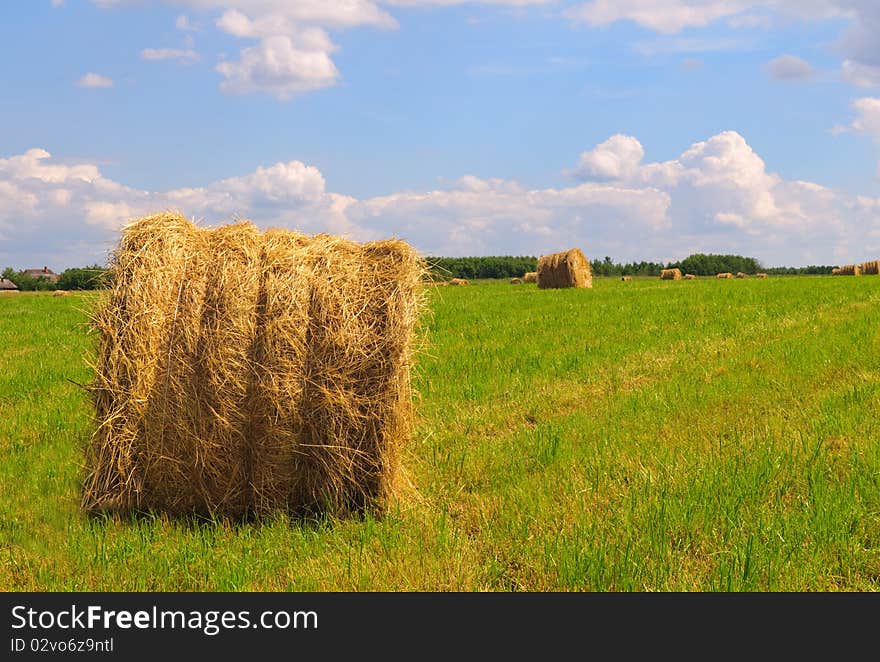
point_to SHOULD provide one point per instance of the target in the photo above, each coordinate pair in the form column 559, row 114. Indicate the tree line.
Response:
column 84, row 278
column 504, row 266
column 699, row 264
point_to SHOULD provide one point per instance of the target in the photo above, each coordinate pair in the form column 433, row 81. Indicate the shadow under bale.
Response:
column 240, row 372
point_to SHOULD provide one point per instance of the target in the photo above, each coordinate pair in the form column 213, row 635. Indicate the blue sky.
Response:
column 644, row 129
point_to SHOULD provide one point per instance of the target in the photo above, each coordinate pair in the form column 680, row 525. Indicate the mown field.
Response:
column 707, row 435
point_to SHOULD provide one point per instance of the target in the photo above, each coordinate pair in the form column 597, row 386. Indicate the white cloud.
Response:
column 57, row 3
column 861, row 75
column 672, row 16
column 789, row 68
column 717, row 196
column 282, row 66
column 867, row 120
column 666, row 16
column 93, row 80
column 616, row 158
column 181, row 54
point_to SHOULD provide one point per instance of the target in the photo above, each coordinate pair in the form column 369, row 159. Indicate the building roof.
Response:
column 45, row 272
column 6, row 284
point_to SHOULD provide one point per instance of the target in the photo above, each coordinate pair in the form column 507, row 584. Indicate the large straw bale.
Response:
column 241, row 372
column 516, row 281
column 690, row 277
column 459, row 281
column 724, row 274
column 626, row 278
column 670, row 274
column 741, row 274
column 871, row 268
column 566, row 269
column 530, row 277
column 760, row 275
column 851, row 270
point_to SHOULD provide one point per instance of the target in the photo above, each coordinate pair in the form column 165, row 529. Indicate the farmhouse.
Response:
column 7, row 285
column 45, row 272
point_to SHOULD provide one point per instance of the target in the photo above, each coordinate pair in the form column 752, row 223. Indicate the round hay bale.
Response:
column 60, row 293
column 871, row 268
column 835, row 271
column 241, row 372
column 565, row 269
column 690, row 277
column 740, row 274
column 530, row 277
column 851, row 270
column 724, row 274
column 516, row 281
column 459, row 281
column 760, row 275
column 626, row 279
column 670, row 274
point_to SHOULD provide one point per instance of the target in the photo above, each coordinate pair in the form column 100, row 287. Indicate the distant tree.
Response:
column 86, row 278
column 815, row 270
column 26, row 282
column 506, row 266
column 702, row 264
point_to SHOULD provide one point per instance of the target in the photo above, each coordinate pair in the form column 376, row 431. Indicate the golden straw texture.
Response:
column 566, row 269
column 240, row 372
column 871, row 268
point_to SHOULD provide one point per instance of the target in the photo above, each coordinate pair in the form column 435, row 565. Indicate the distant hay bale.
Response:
column 760, row 275
column 851, row 270
column 871, row 268
column 626, row 278
column 530, row 277
column 670, row 274
column 459, row 281
column 516, row 281
column 835, row 271
column 60, row 293
column 690, row 277
column 740, row 274
column 566, row 269
column 724, row 274
column 241, row 372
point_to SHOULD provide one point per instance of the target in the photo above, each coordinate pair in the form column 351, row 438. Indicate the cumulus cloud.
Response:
column 93, row 80
column 294, row 50
column 282, row 66
column 718, row 195
column 789, row 68
column 616, row 158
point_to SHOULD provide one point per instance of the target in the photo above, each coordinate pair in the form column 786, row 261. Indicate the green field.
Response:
column 706, row 435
